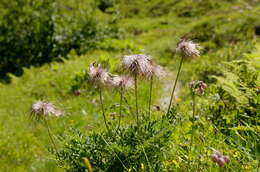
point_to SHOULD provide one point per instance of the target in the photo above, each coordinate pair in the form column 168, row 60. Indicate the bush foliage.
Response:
column 36, row 32
column 128, row 148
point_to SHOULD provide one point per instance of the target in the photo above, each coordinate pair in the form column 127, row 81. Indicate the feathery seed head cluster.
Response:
column 98, row 74
column 198, row 87
column 157, row 70
column 219, row 158
column 44, row 109
column 188, row 48
column 124, row 82
column 137, row 64
column 142, row 65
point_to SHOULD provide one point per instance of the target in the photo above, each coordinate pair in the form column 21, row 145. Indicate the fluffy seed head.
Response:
column 98, row 74
column 219, row 158
column 44, row 109
column 142, row 65
column 214, row 157
column 137, row 64
column 124, row 82
column 221, row 162
column 226, row 158
column 157, row 70
column 188, row 48
column 198, row 87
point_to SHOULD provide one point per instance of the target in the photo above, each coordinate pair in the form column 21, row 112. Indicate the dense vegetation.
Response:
column 70, row 35
column 37, row 32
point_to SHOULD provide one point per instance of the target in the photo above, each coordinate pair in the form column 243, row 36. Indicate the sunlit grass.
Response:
column 24, row 145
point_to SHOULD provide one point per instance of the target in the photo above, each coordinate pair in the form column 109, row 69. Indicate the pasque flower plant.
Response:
column 219, row 158
column 186, row 49
column 197, row 88
column 41, row 111
column 156, row 71
column 137, row 65
column 121, row 83
column 143, row 66
column 170, row 142
column 100, row 77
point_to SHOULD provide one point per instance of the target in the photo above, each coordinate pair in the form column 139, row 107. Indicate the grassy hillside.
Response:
column 225, row 31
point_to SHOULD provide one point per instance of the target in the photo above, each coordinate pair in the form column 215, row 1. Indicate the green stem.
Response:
column 192, row 126
column 114, row 153
column 120, row 106
column 193, row 119
column 129, row 107
column 150, row 97
column 136, row 100
column 102, row 107
column 49, row 133
column 146, row 157
column 175, row 83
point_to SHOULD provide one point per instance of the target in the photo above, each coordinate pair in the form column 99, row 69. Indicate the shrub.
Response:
column 238, row 100
column 129, row 148
column 234, row 108
column 36, row 32
column 26, row 33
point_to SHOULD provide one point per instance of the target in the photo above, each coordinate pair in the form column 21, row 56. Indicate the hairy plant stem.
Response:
column 193, row 119
column 102, row 107
column 136, row 101
column 150, row 97
column 129, row 106
column 192, row 126
column 49, row 133
column 120, row 106
column 175, row 83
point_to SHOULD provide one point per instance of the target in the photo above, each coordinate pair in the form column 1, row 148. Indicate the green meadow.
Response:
column 46, row 48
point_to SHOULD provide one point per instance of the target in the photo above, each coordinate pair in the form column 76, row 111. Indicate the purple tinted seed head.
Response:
column 124, row 82
column 221, row 162
column 188, row 48
column 43, row 109
column 219, row 158
column 214, row 157
column 226, row 158
column 137, row 64
column 98, row 74
column 142, row 65
column 198, row 87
